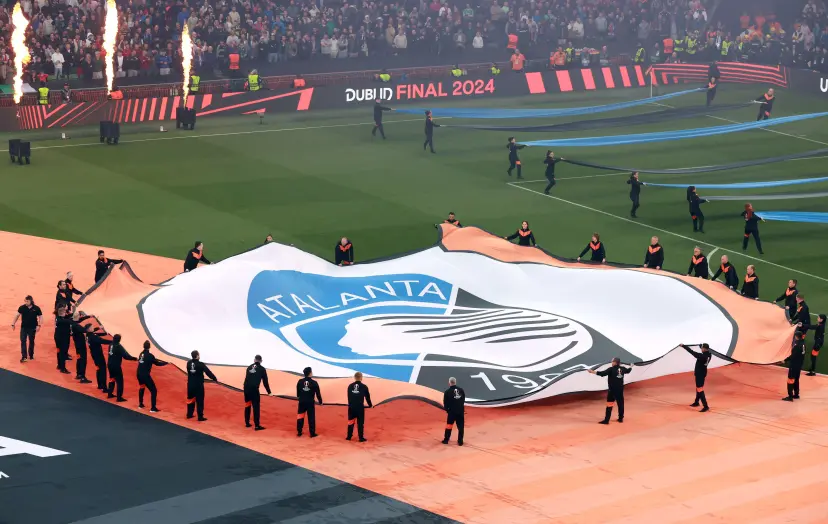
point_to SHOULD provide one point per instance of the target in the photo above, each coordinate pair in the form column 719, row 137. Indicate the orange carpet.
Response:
column 751, row 459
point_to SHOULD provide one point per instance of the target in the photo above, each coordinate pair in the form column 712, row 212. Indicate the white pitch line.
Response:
column 230, row 134
column 709, row 255
column 760, row 129
column 654, row 228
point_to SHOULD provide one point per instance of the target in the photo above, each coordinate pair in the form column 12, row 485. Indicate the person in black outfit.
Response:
column 70, row 286
column 117, row 354
column 751, row 228
column 654, row 257
column 731, row 279
column 63, row 335
column 700, row 373
column 429, row 132
column 802, row 313
column 695, row 209
column 615, row 392
column 767, row 105
column 195, row 385
column 268, row 239
column 599, row 254
column 195, row 256
column 514, row 159
column 306, row 390
column 358, row 396
column 145, row 362
column 454, row 402
column 524, row 235
column 96, row 342
column 256, row 376
column 819, row 339
column 750, row 286
column 32, row 319
column 63, row 296
column 635, row 192
column 712, row 84
column 698, row 265
column 550, row 162
column 789, row 296
column 452, row 219
column 102, row 264
column 378, row 110
column 79, row 339
column 344, row 252
column 795, row 361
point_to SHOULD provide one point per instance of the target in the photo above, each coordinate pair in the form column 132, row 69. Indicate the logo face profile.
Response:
column 421, row 329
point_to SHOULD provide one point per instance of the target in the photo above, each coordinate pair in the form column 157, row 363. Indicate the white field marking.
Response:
column 761, row 128
column 229, row 134
column 709, row 255
column 648, row 226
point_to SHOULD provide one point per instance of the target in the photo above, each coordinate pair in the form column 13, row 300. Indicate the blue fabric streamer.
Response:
column 746, row 185
column 449, row 112
column 663, row 136
column 795, row 216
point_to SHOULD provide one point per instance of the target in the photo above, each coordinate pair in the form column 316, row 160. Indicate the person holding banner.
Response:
column 766, row 105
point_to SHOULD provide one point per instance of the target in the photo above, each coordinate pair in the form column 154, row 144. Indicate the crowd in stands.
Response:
column 65, row 36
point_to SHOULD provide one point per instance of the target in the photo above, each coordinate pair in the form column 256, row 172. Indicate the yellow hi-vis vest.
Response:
column 495, row 70
column 385, row 77
column 726, row 48
column 457, row 72
column 43, row 96
column 194, row 81
column 691, row 46
column 253, row 82
column 639, row 56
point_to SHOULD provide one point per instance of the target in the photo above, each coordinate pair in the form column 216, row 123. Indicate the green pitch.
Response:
column 309, row 179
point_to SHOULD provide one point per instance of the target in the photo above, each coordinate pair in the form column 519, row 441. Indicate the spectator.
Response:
column 477, row 43
column 400, row 42
column 460, row 40
column 57, row 60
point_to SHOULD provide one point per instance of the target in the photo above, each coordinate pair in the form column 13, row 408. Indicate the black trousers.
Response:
column 635, row 205
column 100, row 365
column 62, row 352
column 252, row 401
column 451, row 419
column 116, row 378
column 550, row 185
column 146, row 382
column 815, row 355
column 80, row 363
column 306, row 409
column 429, row 141
column 27, row 334
column 763, row 114
column 793, row 379
column 698, row 221
column 711, row 94
column 356, row 415
column 195, row 400
column 755, row 234
column 700, row 396
column 615, row 396
column 378, row 127
column 513, row 164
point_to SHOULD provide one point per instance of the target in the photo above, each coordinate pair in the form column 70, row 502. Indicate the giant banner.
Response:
column 512, row 324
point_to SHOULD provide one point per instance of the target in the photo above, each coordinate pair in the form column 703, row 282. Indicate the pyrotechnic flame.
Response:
column 21, row 52
column 186, row 59
column 110, row 35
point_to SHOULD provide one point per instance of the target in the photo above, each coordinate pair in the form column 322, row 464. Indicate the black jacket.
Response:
column 117, row 354
column 654, row 257
column 196, row 371
column 524, row 236
column 358, row 395
column 101, row 265
column 615, row 375
column 750, row 286
column 454, row 400
column 599, row 254
column 307, row 389
column 731, row 279
column 698, row 265
column 255, row 376
column 194, row 256
column 344, row 255
column 702, row 361
column 145, row 362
